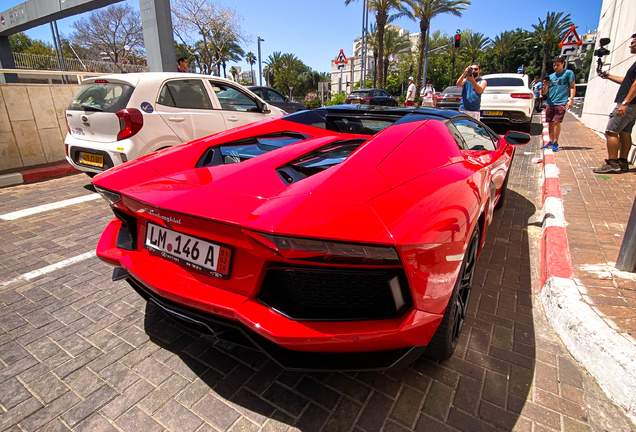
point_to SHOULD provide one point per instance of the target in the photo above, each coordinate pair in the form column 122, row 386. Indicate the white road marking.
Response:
column 47, row 207
column 49, row 268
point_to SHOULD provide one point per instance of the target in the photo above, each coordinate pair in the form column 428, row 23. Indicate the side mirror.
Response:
column 517, row 138
column 286, row 98
column 265, row 109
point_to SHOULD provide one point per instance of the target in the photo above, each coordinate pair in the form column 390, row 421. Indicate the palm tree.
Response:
column 383, row 9
column 503, row 45
column 550, row 32
column 234, row 73
column 273, row 64
column 394, row 45
column 229, row 52
column 425, row 11
column 372, row 46
column 474, row 44
column 251, row 59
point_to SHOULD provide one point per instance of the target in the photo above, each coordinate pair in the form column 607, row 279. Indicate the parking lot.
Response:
column 80, row 352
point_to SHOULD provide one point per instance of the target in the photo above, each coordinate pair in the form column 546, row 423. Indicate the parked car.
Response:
column 274, row 97
column 508, row 100
column 117, row 118
column 320, row 233
column 371, row 97
column 449, row 98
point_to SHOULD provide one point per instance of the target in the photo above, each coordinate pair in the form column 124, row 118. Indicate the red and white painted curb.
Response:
column 609, row 357
column 36, row 174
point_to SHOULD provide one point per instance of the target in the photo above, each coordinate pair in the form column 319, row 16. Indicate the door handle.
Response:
column 232, row 118
column 176, row 119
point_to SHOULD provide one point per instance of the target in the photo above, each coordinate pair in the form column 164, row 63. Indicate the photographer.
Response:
column 621, row 122
column 560, row 89
column 473, row 87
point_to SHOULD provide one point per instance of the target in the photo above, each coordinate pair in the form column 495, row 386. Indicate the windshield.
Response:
column 454, row 90
column 361, row 94
column 107, row 97
column 505, row 82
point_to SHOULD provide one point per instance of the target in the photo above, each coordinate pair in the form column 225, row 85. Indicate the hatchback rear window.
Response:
column 107, row 97
column 455, row 89
column 361, row 94
column 505, row 82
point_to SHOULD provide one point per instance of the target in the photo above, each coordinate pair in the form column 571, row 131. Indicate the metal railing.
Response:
column 42, row 62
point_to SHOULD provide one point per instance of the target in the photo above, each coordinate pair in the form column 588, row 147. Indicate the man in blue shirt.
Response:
column 473, row 87
column 536, row 89
column 560, row 88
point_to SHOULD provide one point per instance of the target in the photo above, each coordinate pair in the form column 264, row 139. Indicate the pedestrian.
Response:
column 536, row 89
column 472, row 88
column 427, row 95
column 410, row 93
column 182, row 64
column 560, row 88
column 619, row 127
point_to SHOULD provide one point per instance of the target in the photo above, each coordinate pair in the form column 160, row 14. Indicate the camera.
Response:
column 600, row 52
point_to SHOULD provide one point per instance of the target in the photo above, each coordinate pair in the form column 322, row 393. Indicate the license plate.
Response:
column 91, row 159
column 191, row 251
column 451, row 99
column 494, row 113
column 355, row 101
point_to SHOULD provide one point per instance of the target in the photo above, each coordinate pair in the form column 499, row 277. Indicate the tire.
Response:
column 444, row 341
column 502, row 194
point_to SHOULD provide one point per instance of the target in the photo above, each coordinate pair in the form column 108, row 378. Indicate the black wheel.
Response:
column 502, row 194
column 444, row 341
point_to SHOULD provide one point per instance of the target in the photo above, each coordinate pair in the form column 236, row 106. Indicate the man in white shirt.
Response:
column 427, row 95
column 410, row 93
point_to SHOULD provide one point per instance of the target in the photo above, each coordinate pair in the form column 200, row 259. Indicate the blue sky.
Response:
column 316, row 30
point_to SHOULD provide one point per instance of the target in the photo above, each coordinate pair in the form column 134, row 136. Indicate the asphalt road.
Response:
column 80, row 352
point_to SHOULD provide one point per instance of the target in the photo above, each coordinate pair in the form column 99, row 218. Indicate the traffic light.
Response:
column 458, row 40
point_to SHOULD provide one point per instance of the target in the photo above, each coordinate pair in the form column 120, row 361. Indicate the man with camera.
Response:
column 560, row 88
column 472, row 88
column 619, row 127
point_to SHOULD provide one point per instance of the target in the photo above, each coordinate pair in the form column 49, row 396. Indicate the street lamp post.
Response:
column 260, row 73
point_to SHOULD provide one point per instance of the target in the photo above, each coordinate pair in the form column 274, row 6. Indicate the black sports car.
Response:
column 274, row 97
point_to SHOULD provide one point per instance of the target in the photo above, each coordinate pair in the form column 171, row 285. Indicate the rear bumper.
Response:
column 508, row 117
column 111, row 152
column 239, row 334
column 294, row 344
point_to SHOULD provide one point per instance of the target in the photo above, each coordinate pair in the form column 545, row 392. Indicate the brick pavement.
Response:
column 597, row 208
column 79, row 352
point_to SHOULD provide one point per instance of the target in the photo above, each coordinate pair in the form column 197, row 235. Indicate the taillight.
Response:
column 68, row 128
column 521, row 95
column 130, row 122
column 101, row 81
column 67, row 151
column 348, row 100
column 326, row 251
column 366, row 99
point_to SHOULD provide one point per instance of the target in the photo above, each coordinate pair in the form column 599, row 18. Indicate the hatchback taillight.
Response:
column 348, row 100
column 130, row 122
column 521, row 95
column 366, row 99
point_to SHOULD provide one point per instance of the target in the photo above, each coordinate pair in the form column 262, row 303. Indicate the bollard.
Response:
column 627, row 255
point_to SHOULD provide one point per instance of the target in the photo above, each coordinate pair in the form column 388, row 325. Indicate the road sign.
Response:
column 341, row 59
column 571, row 38
column 520, row 69
column 568, row 50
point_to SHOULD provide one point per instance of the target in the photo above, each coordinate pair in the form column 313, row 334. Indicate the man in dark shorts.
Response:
column 619, row 127
column 560, row 88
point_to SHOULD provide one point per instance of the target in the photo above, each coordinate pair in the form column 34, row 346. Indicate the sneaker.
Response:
column 547, row 146
column 610, row 166
column 623, row 164
column 555, row 147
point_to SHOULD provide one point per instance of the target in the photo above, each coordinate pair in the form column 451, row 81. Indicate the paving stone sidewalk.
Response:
column 80, row 352
column 597, row 208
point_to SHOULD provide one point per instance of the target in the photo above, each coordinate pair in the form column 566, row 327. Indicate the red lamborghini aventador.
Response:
column 337, row 238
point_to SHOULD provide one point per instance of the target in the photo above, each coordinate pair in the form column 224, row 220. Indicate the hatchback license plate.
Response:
column 451, row 99
column 191, row 251
column 91, row 159
column 494, row 113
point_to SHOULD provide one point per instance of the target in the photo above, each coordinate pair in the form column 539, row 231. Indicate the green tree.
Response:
column 228, row 51
column 394, row 45
column 424, row 11
column 474, row 44
column 21, row 43
column 383, row 16
column 549, row 33
column 503, row 45
column 251, row 59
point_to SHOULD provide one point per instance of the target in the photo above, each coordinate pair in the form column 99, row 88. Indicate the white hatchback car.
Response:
column 116, row 118
column 508, row 99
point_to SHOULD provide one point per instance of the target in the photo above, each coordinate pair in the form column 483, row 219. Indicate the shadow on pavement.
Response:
column 482, row 387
